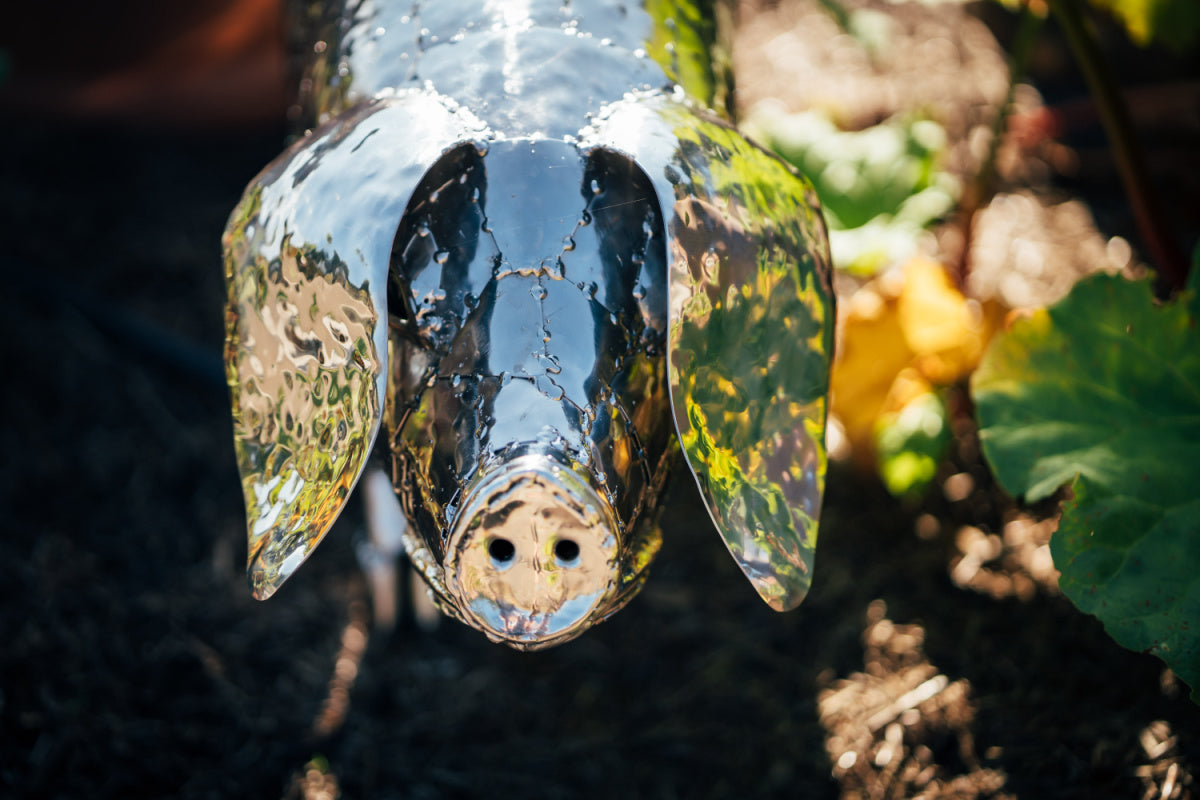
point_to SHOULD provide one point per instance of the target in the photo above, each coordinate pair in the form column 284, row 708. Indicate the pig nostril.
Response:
column 566, row 551
column 501, row 550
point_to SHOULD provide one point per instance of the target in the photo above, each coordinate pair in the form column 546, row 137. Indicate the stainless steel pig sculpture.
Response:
column 517, row 248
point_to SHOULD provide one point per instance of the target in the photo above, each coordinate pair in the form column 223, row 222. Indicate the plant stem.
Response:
column 1131, row 163
column 980, row 188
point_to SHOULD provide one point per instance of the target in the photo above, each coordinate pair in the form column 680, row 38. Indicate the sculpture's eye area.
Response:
column 566, row 552
column 502, row 550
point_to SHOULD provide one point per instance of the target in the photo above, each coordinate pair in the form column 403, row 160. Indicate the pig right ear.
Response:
column 306, row 267
column 750, row 331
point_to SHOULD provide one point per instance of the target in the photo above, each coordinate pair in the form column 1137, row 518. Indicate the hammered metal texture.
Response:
column 306, row 263
column 531, row 68
column 529, row 316
column 751, row 332
column 579, row 267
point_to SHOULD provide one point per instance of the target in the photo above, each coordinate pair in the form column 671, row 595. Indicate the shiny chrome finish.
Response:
column 306, row 266
column 526, row 68
column 528, row 326
column 751, row 331
column 542, row 270
column 534, row 553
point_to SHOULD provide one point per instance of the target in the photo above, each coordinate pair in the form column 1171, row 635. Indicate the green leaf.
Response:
column 685, row 43
column 879, row 187
column 1102, row 390
column 911, row 443
column 1134, row 564
column 1174, row 23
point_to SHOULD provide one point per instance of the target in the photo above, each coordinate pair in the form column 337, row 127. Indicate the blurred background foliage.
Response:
column 906, row 339
column 1096, row 389
column 910, row 327
column 880, row 187
column 1174, row 23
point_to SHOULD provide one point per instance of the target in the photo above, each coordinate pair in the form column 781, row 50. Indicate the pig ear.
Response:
column 750, row 336
column 306, row 269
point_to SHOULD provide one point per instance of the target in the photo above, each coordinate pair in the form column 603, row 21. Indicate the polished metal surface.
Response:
column 529, row 68
column 543, row 269
column 306, row 266
column 750, row 343
column 534, row 553
column 529, row 318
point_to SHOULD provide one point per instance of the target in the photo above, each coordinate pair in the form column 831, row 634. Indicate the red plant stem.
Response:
column 1131, row 164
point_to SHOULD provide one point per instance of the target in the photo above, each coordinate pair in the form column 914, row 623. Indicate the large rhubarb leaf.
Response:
column 1102, row 391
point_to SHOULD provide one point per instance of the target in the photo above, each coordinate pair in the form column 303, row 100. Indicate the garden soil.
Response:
column 933, row 658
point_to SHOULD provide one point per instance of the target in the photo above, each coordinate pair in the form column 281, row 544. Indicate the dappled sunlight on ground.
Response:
column 1029, row 250
column 1014, row 564
column 901, row 727
column 1163, row 776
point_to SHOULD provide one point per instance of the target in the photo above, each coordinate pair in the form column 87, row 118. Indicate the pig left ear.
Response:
column 750, row 337
column 306, row 269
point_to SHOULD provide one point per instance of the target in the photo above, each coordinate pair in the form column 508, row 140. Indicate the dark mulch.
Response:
column 133, row 661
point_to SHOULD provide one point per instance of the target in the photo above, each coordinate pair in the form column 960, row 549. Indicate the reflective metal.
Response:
column 751, row 331
column 306, row 266
column 534, row 554
column 528, row 319
column 534, row 296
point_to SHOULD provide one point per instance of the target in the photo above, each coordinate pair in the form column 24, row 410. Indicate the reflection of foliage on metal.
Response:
column 685, row 43
column 751, row 332
column 301, row 365
column 305, row 347
column 751, row 368
column 743, row 300
column 750, row 352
